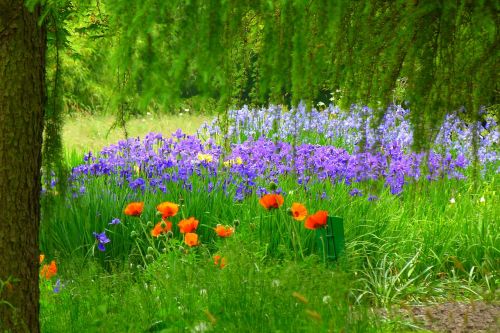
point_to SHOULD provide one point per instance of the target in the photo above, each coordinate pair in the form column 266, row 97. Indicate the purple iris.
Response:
column 115, row 221
column 101, row 240
column 58, row 286
column 355, row 193
column 372, row 198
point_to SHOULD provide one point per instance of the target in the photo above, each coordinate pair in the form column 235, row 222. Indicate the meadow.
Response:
column 214, row 226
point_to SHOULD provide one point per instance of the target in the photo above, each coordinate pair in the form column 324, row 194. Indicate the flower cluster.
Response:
column 187, row 227
column 48, row 270
column 298, row 211
column 314, row 146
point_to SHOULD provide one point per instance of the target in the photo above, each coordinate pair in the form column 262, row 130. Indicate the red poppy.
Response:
column 298, row 211
column 269, row 201
column 134, row 209
column 191, row 239
column 167, row 209
column 188, row 225
column 223, row 231
column 161, row 227
column 317, row 220
column 220, row 261
column 48, row 271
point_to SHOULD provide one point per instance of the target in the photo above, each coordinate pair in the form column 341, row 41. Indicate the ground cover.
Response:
column 418, row 229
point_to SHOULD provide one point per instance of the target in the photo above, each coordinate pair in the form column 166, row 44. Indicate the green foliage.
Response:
column 188, row 293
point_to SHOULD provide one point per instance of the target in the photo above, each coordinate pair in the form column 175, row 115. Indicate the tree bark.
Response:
column 22, row 63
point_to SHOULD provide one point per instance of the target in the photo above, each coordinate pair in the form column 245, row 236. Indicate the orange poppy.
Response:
column 167, row 209
column 188, row 225
column 317, row 220
column 161, row 227
column 298, row 211
column 42, row 258
column 191, row 239
column 48, row 271
column 223, row 231
column 220, row 261
column 269, row 201
column 134, row 209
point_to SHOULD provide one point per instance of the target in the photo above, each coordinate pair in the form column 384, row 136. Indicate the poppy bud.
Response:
column 273, row 186
column 181, row 200
column 150, row 224
column 149, row 257
column 133, row 234
column 150, row 250
column 163, row 224
column 236, row 223
column 169, row 234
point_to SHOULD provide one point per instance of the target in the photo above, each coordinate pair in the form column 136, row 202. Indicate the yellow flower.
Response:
column 205, row 157
column 137, row 170
column 237, row 161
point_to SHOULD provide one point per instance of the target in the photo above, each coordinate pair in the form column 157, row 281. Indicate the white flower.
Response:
column 482, row 200
column 276, row 283
column 327, row 299
column 201, row 327
column 203, row 292
column 452, row 201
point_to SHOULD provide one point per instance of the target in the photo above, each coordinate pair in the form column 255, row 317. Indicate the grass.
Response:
column 183, row 293
column 84, row 133
column 408, row 249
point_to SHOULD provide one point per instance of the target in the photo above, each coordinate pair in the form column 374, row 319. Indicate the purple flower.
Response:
column 372, row 198
column 58, row 286
column 355, row 193
column 101, row 240
column 115, row 221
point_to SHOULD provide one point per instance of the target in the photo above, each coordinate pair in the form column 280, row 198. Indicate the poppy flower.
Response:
column 161, row 227
column 269, row 201
column 188, row 225
column 223, row 231
column 298, row 211
column 48, row 271
column 317, row 220
column 191, row 239
column 134, row 209
column 167, row 209
column 220, row 261
column 42, row 258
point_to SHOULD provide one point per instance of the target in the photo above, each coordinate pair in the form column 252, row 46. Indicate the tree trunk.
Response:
column 22, row 62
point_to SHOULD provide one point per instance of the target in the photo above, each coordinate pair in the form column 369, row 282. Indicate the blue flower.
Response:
column 101, row 240
column 355, row 193
column 57, row 286
column 115, row 221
